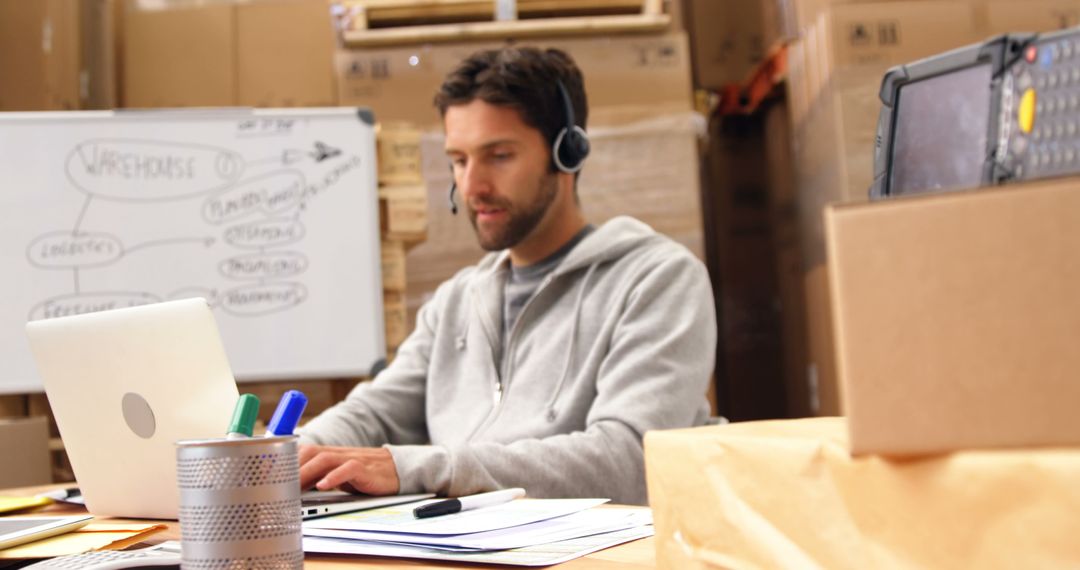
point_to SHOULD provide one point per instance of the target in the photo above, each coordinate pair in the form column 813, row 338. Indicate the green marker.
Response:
column 243, row 418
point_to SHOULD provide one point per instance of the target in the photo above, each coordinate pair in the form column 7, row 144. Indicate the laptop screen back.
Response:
column 123, row 386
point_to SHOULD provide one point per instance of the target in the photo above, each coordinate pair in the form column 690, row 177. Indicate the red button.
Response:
column 1031, row 54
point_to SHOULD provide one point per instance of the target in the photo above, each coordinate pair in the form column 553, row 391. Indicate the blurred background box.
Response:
column 269, row 53
column 57, row 55
column 399, row 82
column 284, row 54
column 24, row 452
column 181, row 55
column 731, row 38
column 1006, row 16
column 787, row 494
column 956, row 318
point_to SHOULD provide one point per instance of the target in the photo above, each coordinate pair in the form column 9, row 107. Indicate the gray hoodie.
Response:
column 619, row 339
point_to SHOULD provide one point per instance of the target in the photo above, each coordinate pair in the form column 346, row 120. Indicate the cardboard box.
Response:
column 180, row 56
column 39, row 55
column 730, row 38
column 869, row 37
column 267, row 53
column 392, row 254
column 787, row 494
column 24, row 445
column 956, row 318
column 1008, row 16
column 398, row 151
column 56, row 55
column 834, row 154
column 100, row 33
column 395, row 317
column 403, row 213
column 285, row 54
column 399, row 83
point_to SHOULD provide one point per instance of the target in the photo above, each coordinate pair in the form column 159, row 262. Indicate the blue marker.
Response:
column 287, row 414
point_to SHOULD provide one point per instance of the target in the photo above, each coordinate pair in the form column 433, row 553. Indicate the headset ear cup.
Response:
column 579, row 143
column 570, row 149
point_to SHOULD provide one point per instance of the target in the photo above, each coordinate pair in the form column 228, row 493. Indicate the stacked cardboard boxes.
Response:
column 844, row 47
column 400, row 82
column 403, row 215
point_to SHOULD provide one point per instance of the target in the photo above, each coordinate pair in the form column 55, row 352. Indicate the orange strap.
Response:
column 744, row 98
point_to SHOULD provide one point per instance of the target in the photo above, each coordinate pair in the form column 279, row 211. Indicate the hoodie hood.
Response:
column 610, row 241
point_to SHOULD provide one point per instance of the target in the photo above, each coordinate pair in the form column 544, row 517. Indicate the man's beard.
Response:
column 520, row 220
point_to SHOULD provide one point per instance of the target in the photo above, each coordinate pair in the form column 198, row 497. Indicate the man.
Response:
column 542, row 366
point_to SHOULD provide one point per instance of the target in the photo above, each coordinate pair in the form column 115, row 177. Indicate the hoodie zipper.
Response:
column 504, row 371
column 507, row 362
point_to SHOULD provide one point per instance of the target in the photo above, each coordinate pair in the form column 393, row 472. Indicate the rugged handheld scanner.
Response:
column 1004, row 110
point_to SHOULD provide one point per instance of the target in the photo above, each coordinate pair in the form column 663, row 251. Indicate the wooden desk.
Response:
column 636, row 555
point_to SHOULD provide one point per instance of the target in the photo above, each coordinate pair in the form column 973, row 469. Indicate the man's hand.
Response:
column 369, row 470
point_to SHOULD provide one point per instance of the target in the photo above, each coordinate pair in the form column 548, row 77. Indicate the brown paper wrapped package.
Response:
column 787, row 494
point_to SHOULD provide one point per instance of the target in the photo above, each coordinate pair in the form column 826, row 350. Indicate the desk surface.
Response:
column 636, row 555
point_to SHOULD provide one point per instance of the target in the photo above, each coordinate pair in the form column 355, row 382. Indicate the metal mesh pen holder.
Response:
column 240, row 503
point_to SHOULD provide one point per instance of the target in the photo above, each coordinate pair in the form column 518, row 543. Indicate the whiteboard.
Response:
column 270, row 214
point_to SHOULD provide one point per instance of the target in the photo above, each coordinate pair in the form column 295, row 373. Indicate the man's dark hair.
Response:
column 523, row 78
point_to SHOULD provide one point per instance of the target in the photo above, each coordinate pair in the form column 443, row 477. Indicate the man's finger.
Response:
column 317, row 467
column 306, row 452
column 350, row 472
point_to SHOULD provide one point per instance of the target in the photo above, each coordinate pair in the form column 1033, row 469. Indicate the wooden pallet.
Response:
column 369, row 23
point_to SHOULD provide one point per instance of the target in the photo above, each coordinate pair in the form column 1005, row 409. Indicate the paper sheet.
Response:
column 576, row 525
column 542, row 555
column 16, row 504
column 401, row 519
column 94, row 536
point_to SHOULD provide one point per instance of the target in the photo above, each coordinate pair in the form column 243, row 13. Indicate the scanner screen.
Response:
column 940, row 134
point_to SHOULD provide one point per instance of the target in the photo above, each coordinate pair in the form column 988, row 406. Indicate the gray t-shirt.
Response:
column 523, row 282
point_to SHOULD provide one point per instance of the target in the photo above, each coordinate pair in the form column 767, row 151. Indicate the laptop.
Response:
column 125, row 384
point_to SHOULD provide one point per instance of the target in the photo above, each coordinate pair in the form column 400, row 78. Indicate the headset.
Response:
column 568, row 152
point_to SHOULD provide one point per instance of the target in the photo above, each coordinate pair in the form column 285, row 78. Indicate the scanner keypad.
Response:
column 1052, row 71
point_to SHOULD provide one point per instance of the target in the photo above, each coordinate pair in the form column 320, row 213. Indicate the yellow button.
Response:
column 1026, row 113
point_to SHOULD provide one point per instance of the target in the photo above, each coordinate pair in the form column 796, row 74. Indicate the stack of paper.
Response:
column 94, row 536
column 523, row 532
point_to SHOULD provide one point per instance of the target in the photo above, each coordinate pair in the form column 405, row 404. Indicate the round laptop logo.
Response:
column 138, row 415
